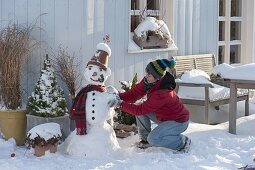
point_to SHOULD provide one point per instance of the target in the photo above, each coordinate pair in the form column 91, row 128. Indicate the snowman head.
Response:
column 97, row 69
column 96, row 75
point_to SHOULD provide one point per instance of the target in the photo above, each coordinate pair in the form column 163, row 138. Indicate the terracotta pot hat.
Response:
column 101, row 56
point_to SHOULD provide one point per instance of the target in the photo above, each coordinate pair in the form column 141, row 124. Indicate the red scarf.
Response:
column 78, row 108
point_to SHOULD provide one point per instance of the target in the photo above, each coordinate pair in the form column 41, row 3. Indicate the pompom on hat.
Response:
column 102, row 54
column 158, row 67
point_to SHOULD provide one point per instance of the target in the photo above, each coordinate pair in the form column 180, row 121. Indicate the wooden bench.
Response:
column 204, row 62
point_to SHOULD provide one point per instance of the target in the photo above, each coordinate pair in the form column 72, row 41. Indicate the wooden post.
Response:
column 246, row 110
column 232, row 108
column 207, row 104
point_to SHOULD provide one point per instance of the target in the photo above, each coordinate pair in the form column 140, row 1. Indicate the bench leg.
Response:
column 207, row 104
column 247, row 107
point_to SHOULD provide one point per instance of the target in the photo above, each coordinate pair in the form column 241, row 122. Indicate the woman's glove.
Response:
column 112, row 90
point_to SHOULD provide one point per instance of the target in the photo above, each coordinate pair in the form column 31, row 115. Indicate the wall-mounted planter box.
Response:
column 152, row 41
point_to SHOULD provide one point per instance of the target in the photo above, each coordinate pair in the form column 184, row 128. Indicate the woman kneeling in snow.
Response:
column 162, row 107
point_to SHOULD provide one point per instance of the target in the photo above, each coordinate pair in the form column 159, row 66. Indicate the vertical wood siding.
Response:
column 81, row 24
column 196, row 28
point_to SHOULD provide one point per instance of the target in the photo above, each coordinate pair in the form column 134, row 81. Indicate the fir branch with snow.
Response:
column 123, row 117
column 47, row 100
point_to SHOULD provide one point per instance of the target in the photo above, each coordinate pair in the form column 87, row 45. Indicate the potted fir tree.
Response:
column 16, row 43
column 125, row 123
column 47, row 102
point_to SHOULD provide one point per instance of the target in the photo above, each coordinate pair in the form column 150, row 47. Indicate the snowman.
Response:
column 93, row 136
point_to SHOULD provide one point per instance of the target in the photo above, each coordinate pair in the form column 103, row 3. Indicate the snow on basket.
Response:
column 153, row 33
column 44, row 137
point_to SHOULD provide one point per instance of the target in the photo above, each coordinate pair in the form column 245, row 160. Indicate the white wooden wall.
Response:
column 196, row 26
column 79, row 25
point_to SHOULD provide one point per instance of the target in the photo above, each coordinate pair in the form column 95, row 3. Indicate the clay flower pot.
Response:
column 39, row 150
column 44, row 137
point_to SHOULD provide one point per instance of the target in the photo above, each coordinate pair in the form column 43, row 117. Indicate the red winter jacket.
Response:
column 161, row 100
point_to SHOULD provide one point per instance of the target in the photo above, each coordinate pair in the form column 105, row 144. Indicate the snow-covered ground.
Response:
column 212, row 148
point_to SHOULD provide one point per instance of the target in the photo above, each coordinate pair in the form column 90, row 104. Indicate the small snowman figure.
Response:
column 94, row 135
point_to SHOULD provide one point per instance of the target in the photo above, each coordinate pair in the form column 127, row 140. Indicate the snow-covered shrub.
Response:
column 43, row 134
column 47, row 100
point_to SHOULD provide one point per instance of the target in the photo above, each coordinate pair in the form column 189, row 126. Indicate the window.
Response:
column 141, row 8
column 230, row 25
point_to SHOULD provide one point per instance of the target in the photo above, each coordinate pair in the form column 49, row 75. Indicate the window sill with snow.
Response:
column 134, row 48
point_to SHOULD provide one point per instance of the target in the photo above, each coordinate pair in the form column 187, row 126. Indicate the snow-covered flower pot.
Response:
column 153, row 33
column 44, row 137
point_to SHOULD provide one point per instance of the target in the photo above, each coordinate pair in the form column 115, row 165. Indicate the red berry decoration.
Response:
column 13, row 155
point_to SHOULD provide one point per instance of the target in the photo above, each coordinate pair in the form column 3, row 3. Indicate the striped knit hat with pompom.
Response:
column 158, row 67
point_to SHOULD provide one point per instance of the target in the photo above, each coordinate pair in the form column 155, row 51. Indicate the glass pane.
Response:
column 134, row 22
column 153, row 4
column 235, row 54
column 221, row 52
column 135, row 5
column 154, row 14
column 236, row 8
column 235, row 30
column 221, row 30
column 222, row 7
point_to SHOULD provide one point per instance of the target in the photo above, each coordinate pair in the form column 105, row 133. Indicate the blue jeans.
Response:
column 167, row 134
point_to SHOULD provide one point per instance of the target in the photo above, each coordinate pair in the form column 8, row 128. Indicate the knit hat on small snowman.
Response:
column 158, row 67
column 101, row 56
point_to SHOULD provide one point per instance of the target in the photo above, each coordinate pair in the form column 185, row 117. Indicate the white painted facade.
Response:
column 80, row 24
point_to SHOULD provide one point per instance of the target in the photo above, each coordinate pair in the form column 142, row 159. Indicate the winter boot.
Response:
column 143, row 144
column 186, row 146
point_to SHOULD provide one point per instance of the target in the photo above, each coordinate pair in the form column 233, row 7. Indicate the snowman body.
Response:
column 100, row 138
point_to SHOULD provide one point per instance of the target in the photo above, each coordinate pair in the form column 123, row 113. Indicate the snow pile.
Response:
column 45, row 131
column 212, row 148
column 244, row 72
column 200, row 77
column 195, row 76
column 221, row 69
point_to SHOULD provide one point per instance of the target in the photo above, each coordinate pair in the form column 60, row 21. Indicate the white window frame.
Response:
column 227, row 42
column 142, row 5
